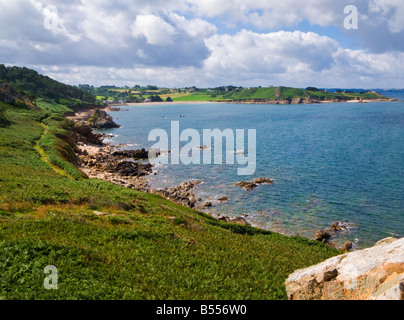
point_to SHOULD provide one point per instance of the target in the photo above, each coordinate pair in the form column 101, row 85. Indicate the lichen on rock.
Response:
column 376, row 273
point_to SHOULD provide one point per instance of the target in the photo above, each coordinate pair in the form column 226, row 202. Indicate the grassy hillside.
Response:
column 273, row 93
column 48, row 90
column 228, row 93
column 287, row 93
column 143, row 247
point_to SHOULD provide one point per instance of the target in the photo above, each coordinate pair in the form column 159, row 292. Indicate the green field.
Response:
column 198, row 97
column 287, row 93
column 238, row 94
column 274, row 93
column 145, row 248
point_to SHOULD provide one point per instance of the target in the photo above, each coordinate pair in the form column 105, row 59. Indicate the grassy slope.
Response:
column 290, row 93
column 146, row 248
column 197, row 97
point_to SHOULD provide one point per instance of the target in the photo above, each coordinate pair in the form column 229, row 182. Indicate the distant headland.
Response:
column 231, row 94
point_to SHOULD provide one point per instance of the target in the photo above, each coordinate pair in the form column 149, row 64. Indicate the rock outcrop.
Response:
column 246, row 185
column 182, row 194
column 237, row 220
column 129, row 169
column 83, row 133
column 263, row 181
column 134, row 154
column 101, row 120
column 102, row 163
column 326, row 235
column 376, row 273
column 250, row 185
column 9, row 94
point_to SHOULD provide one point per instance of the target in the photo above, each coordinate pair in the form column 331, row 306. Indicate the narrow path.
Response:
column 44, row 156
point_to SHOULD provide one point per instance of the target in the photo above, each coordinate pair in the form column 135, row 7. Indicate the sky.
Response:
column 208, row 43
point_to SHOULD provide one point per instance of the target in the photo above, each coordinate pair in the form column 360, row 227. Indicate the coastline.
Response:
column 98, row 161
column 104, row 161
column 295, row 101
column 134, row 104
column 129, row 168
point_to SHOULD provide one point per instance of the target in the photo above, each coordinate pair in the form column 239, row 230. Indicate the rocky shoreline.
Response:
column 370, row 274
column 130, row 168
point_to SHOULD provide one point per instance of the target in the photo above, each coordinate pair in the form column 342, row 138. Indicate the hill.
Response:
column 111, row 242
column 37, row 86
column 279, row 95
column 294, row 95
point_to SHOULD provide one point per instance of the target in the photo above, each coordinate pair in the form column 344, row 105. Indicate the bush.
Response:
column 156, row 98
column 19, row 104
column 3, row 120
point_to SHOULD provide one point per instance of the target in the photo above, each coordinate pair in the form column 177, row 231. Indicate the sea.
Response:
column 329, row 162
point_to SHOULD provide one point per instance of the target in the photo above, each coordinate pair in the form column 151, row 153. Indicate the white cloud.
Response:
column 390, row 10
column 193, row 27
column 154, row 29
column 276, row 52
column 272, row 13
column 205, row 42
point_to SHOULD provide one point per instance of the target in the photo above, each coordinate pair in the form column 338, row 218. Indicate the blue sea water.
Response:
column 330, row 162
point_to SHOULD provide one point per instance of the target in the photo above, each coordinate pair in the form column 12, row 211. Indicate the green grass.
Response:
column 49, row 106
column 276, row 93
column 102, row 98
column 146, row 248
column 198, row 97
column 144, row 256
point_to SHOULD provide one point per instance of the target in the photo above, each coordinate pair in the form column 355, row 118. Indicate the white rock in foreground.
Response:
column 375, row 273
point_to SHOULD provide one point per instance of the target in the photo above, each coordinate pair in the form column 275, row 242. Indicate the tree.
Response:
column 169, row 99
column 152, row 88
column 312, row 89
column 156, row 98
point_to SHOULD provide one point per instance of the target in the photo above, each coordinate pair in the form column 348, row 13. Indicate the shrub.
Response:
column 3, row 119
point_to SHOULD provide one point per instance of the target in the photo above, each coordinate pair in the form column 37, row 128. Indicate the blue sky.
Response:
column 207, row 43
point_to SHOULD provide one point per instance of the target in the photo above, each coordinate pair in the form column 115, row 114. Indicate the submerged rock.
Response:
column 375, row 273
